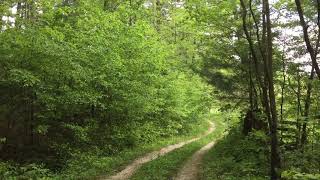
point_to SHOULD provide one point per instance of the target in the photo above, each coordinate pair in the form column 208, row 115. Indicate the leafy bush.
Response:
column 295, row 174
column 80, row 78
column 30, row 171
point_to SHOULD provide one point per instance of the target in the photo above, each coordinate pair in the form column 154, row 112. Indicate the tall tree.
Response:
column 275, row 152
column 311, row 50
column 265, row 47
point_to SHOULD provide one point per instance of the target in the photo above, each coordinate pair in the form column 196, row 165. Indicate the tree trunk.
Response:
column 283, row 85
column 299, row 108
column 307, row 108
column 309, row 86
column 264, row 99
column 306, row 37
column 275, row 153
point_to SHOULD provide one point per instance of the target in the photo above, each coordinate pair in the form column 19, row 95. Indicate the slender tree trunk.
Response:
column 299, row 108
column 251, row 96
column 306, row 36
column 32, row 117
column 264, row 99
column 267, row 84
column 260, row 47
column 307, row 108
column 275, row 152
column 256, row 105
column 256, row 26
column 309, row 86
column 283, row 85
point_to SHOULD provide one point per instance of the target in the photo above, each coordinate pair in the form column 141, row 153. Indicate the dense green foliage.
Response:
column 78, row 78
column 87, row 86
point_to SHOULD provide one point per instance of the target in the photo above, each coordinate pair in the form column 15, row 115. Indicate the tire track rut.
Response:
column 130, row 169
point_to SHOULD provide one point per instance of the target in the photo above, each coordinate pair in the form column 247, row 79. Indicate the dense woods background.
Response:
column 85, row 82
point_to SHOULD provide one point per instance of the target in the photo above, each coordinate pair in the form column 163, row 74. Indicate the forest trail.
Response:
column 190, row 170
column 129, row 170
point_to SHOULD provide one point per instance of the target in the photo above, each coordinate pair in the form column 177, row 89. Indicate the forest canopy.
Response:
column 85, row 81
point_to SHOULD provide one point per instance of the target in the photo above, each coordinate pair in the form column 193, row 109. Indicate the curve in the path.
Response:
column 136, row 164
column 190, row 170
